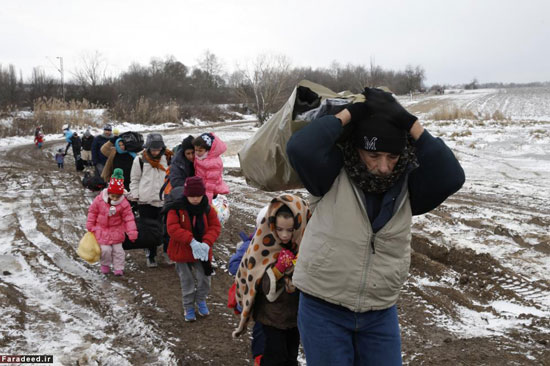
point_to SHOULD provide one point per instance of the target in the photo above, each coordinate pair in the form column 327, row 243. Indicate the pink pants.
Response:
column 113, row 254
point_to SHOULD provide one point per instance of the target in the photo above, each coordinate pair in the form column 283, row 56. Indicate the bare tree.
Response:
column 263, row 83
column 92, row 71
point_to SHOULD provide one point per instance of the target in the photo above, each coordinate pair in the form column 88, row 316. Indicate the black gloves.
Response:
column 359, row 111
column 379, row 101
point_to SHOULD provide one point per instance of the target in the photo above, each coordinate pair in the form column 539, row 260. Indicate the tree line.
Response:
column 261, row 85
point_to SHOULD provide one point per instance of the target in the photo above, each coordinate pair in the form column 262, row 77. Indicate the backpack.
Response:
column 93, row 182
column 80, row 165
column 166, row 187
column 133, row 141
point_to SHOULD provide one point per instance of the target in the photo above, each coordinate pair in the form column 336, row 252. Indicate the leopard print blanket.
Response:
column 263, row 252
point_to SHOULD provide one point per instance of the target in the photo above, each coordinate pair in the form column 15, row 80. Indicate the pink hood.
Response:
column 210, row 169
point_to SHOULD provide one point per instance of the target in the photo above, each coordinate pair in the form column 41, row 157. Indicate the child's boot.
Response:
column 190, row 314
column 203, row 309
column 105, row 269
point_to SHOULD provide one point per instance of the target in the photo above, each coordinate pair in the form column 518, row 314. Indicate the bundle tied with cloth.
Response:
column 263, row 158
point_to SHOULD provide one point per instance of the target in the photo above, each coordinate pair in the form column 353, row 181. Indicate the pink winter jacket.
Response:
column 110, row 230
column 210, row 169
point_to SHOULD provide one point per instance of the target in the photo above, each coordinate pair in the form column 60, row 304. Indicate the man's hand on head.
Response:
column 379, row 101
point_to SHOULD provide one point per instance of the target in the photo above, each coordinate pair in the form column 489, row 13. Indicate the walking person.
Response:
column 110, row 217
column 118, row 157
column 193, row 227
column 76, row 143
column 147, row 177
column 87, row 141
column 355, row 253
column 264, row 285
column 182, row 164
column 98, row 158
column 68, row 134
column 60, row 158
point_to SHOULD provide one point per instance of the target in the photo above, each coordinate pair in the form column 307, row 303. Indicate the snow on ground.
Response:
column 505, row 198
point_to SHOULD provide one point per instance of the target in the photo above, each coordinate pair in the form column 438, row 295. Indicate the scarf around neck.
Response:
column 196, row 215
column 155, row 162
column 372, row 183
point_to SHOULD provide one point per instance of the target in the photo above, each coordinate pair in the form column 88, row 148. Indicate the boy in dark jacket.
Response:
column 193, row 227
column 264, row 279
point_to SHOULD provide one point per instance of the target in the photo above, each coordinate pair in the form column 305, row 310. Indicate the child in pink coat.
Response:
column 109, row 217
column 209, row 165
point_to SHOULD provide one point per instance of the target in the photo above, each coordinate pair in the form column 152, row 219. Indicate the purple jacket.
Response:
column 109, row 225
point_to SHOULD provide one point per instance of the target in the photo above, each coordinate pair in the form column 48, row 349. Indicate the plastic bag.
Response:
column 221, row 205
column 88, row 248
column 263, row 158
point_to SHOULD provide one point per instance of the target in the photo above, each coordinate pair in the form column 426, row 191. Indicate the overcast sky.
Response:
column 454, row 41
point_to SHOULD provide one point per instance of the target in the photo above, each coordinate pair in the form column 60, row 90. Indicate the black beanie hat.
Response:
column 377, row 133
column 187, row 143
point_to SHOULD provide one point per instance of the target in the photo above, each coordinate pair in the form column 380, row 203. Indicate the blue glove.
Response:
column 198, row 249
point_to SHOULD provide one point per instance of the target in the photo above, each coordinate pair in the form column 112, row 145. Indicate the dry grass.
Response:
column 52, row 114
column 147, row 112
column 450, row 113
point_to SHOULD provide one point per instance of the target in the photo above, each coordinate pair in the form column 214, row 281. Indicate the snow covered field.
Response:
column 480, row 272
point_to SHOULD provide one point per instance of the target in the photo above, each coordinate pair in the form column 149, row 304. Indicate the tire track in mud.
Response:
column 50, row 292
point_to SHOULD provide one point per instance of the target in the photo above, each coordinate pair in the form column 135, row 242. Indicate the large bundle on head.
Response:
column 263, row 158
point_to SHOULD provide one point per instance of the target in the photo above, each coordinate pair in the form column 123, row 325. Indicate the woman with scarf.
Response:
column 193, row 227
column 117, row 157
column 147, row 177
column 355, row 253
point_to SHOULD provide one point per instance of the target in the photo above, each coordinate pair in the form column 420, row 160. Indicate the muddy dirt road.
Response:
column 53, row 302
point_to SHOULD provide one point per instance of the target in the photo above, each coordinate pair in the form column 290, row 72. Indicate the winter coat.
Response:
column 210, row 169
column 59, row 158
column 343, row 259
column 235, row 259
column 180, row 230
column 110, row 229
column 274, row 306
column 39, row 138
column 77, row 144
column 180, row 169
column 116, row 159
column 97, row 156
column 145, row 184
column 87, row 142
column 68, row 135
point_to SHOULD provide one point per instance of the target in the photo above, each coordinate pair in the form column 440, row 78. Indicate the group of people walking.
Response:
column 328, row 275
column 137, row 190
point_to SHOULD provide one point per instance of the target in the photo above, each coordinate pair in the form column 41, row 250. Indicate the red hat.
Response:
column 194, row 187
column 116, row 184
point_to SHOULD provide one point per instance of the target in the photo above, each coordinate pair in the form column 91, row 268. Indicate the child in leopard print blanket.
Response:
column 264, row 279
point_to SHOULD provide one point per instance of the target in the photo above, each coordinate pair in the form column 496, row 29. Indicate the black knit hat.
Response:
column 187, row 143
column 377, row 133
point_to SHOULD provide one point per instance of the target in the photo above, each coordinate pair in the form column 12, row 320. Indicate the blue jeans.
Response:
column 333, row 335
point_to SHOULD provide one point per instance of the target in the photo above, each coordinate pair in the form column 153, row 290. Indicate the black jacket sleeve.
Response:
column 178, row 174
column 438, row 176
column 314, row 155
